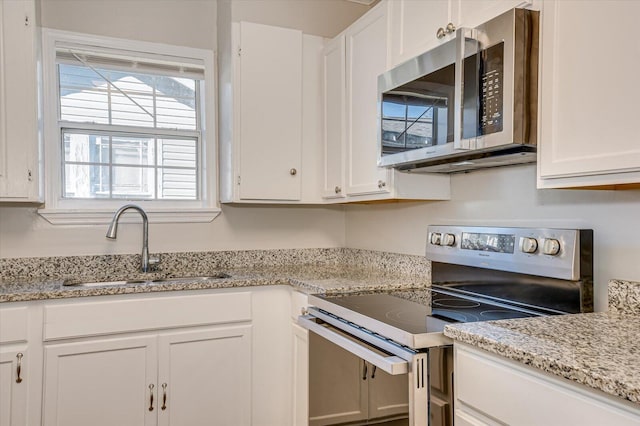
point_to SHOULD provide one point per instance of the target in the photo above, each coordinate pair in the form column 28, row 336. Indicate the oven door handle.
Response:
column 391, row 364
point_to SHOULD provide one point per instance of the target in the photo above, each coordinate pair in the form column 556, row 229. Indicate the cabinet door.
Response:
column 589, row 94
column 205, row 377
column 338, row 384
column 270, row 128
column 366, row 60
column 300, row 375
column 413, row 25
column 18, row 102
column 13, row 387
column 472, row 13
column 334, row 116
column 102, row 382
column 388, row 395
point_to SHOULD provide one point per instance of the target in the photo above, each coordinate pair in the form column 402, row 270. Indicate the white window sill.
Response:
column 104, row 216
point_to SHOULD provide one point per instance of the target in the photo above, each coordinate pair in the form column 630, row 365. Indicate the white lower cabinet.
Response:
column 181, row 359
column 101, row 382
column 16, row 372
column 300, row 375
column 492, row 390
column 204, row 377
column 13, row 386
column 182, row 378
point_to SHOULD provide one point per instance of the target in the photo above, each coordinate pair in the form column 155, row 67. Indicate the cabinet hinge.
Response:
column 29, row 175
column 238, row 179
column 26, row 21
column 239, row 51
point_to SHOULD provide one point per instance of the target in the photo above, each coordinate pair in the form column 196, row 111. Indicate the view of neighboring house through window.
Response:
column 127, row 131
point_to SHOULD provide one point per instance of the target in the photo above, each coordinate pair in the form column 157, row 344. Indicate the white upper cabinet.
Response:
column 270, row 122
column 589, row 94
column 366, row 48
column 416, row 26
column 413, row 26
column 19, row 136
column 352, row 63
column 271, row 96
column 334, row 72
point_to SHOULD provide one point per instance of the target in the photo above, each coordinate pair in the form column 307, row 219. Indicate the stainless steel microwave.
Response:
column 469, row 103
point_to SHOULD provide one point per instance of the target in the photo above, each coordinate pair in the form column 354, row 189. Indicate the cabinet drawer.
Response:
column 77, row 319
column 518, row 395
column 13, row 324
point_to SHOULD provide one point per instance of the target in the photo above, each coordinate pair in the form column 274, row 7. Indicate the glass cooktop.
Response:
column 411, row 310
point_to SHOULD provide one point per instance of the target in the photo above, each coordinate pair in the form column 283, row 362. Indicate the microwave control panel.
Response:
column 491, row 87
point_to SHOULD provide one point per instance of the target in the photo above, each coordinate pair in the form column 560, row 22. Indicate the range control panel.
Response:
column 536, row 251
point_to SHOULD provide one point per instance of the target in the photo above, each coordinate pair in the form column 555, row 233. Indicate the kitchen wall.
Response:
column 189, row 23
column 508, row 196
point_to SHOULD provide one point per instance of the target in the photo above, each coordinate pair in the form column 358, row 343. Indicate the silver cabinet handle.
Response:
column 373, row 372
column 364, row 370
column 293, row 172
column 151, row 386
column 164, row 397
column 19, row 356
column 338, row 190
column 440, row 33
column 449, row 28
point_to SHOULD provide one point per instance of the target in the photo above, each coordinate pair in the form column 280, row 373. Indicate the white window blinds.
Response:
column 129, row 124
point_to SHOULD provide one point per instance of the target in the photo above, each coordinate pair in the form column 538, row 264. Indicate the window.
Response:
column 127, row 122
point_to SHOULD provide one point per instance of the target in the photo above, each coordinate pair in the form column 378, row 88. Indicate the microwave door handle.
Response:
column 466, row 44
column 393, row 365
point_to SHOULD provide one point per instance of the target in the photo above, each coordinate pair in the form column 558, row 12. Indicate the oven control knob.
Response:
column 436, row 237
column 448, row 240
column 551, row 246
column 528, row 245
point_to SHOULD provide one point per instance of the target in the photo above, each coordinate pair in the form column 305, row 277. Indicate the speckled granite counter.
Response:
column 600, row 350
column 309, row 270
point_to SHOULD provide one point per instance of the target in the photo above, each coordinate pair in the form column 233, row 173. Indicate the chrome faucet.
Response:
column 113, row 231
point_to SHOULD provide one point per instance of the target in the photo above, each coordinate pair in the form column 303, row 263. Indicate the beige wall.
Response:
column 181, row 22
column 325, row 18
column 23, row 233
column 508, row 197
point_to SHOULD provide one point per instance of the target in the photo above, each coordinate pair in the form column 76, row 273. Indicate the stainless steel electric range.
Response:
column 478, row 274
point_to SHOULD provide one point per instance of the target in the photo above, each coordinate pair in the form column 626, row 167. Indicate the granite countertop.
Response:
column 599, row 350
column 306, row 278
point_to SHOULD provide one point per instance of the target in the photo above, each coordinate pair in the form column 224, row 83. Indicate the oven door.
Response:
column 357, row 377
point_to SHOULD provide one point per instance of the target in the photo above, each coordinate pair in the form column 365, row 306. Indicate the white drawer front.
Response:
column 518, row 395
column 77, row 318
column 13, row 323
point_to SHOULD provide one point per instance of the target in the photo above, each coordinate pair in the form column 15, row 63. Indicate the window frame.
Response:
column 65, row 211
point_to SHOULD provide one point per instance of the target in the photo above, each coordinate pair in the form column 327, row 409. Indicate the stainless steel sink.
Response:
column 76, row 283
column 187, row 279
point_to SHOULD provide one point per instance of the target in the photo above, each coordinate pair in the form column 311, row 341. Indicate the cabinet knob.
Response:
column 338, row 190
column 381, row 184
column 293, row 172
column 449, row 28
column 440, row 33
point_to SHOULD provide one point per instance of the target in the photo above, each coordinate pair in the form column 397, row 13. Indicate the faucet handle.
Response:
column 154, row 261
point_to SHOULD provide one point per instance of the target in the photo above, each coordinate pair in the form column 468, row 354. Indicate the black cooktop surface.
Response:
column 410, row 310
